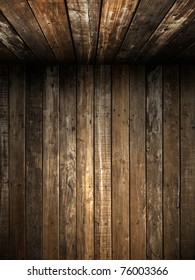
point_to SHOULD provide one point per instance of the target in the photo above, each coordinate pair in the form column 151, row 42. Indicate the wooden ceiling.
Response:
column 97, row 31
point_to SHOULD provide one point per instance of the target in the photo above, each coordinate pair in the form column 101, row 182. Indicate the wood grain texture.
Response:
column 4, row 164
column 115, row 19
column 34, row 187
column 97, row 31
column 82, row 156
column 120, row 162
column 187, row 162
column 144, row 23
column 51, row 163
column 102, row 125
column 10, row 38
column 171, row 146
column 84, row 21
column 137, row 163
column 85, row 167
column 67, row 128
column 52, row 18
column 17, row 160
column 181, row 14
column 154, row 162
column 21, row 17
column 180, row 44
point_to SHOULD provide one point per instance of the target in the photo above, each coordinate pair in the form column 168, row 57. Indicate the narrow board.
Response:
column 154, row 162
column 120, row 162
column 51, row 163
column 22, row 18
column 84, row 21
column 137, row 163
column 53, row 20
column 115, row 20
column 10, row 38
column 171, row 146
column 181, row 43
column 187, row 162
column 17, row 160
column 103, row 162
column 144, row 23
column 85, row 163
column 33, row 153
column 4, row 163
column 177, row 18
column 67, row 162
column 171, row 196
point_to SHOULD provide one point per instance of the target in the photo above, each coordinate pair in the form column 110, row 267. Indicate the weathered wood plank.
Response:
column 171, row 196
column 144, row 23
column 34, row 170
column 4, row 163
column 115, row 19
column 187, row 162
column 84, row 21
column 120, row 162
column 52, row 18
column 182, row 42
column 154, row 162
column 181, row 14
column 17, row 160
column 67, row 136
column 137, row 163
column 21, row 17
column 51, row 163
column 10, row 38
column 85, row 157
column 102, row 124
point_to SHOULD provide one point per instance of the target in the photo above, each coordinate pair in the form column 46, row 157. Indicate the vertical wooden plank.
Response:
column 85, row 177
column 68, row 162
column 17, row 162
column 187, row 162
column 103, row 162
column 120, row 161
column 4, row 154
column 154, row 163
column 34, row 163
column 137, row 162
column 51, row 163
column 171, row 196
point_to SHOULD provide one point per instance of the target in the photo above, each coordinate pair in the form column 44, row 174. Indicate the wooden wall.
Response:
column 97, row 162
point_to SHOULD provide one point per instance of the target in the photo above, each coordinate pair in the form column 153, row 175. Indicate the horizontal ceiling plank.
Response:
column 148, row 16
column 52, row 17
column 21, row 17
column 10, row 38
column 6, row 56
column 84, row 20
column 115, row 19
column 182, row 42
column 179, row 16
